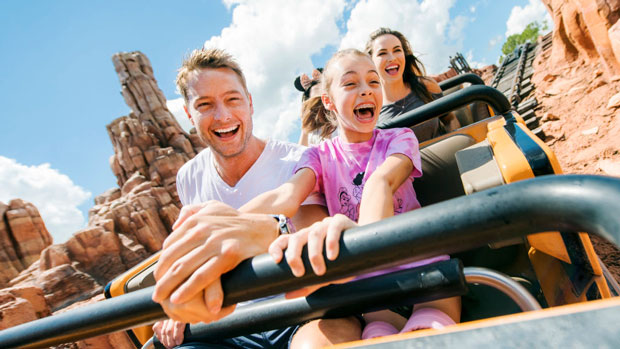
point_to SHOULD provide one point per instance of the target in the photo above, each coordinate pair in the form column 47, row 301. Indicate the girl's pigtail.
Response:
column 314, row 117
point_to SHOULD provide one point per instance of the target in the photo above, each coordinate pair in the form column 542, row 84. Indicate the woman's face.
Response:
column 389, row 58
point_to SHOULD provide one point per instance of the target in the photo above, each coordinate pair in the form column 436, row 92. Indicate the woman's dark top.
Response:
column 424, row 131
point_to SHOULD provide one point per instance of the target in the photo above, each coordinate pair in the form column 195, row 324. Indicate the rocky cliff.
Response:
column 126, row 224
column 577, row 83
column 22, row 238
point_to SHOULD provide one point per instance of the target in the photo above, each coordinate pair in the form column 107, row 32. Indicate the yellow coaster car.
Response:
column 492, row 197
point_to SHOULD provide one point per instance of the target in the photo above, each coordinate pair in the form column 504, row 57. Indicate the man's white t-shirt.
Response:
column 198, row 180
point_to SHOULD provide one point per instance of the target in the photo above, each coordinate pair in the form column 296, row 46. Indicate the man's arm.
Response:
column 206, row 244
column 209, row 240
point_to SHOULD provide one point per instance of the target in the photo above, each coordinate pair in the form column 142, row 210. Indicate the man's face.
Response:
column 220, row 109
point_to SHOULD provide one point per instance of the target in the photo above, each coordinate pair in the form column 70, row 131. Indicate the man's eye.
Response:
column 203, row 105
column 380, row 53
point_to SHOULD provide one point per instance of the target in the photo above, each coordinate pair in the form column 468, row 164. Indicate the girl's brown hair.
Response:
column 314, row 116
column 414, row 69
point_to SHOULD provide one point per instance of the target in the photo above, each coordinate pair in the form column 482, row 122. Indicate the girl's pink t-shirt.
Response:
column 342, row 169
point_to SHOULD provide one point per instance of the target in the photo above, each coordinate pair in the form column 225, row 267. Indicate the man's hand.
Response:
column 169, row 332
column 326, row 232
column 208, row 240
column 194, row 310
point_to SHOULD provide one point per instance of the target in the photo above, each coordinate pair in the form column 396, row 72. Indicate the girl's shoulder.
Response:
column 394, row 132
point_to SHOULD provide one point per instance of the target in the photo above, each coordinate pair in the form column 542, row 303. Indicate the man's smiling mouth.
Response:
column 226, row 132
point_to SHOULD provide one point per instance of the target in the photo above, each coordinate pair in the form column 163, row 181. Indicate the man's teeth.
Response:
column 224, row 130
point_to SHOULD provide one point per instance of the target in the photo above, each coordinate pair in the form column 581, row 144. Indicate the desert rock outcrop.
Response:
column 125, row 225
column 22, row 238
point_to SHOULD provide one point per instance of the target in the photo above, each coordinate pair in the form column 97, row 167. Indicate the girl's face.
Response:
column 355, row 97
column 389, row 57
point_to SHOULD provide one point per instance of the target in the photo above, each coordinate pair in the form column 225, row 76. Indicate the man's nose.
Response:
column 221, row 112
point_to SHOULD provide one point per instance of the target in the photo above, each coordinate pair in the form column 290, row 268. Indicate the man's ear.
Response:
column 251, row 104
column 327, row 102
column 189, row 116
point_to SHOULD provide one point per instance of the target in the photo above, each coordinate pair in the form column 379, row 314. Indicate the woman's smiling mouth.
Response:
column 392, row 69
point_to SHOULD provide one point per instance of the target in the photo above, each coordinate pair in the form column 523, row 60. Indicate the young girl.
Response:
column 364, row 173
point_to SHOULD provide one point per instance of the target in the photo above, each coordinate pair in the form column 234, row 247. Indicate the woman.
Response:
column 405, row 86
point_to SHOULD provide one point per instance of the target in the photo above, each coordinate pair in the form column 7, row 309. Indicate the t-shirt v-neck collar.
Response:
column 247, row 174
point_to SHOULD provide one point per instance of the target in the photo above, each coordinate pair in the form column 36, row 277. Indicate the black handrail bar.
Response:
column 461, row 79
column 446, row 104
column 567, row 203
column 422, row 284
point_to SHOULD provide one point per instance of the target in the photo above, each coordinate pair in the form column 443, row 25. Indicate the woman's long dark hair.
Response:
column 414, row 69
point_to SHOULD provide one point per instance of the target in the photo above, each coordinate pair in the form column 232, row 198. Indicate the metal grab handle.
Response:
column 461, row 79
column 503, row 283
column 446, row 104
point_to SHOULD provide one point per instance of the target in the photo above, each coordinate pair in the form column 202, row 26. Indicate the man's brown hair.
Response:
column 204, row 58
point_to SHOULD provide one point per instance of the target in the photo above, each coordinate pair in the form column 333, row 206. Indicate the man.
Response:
column 211, row 238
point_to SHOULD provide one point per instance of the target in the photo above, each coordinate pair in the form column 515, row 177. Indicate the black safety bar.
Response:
column 568, row 203
column 422, row 284
column 446, row 104
column 461, row 79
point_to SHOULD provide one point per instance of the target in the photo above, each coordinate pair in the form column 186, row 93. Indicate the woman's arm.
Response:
column 377, row 197
column 286, row 198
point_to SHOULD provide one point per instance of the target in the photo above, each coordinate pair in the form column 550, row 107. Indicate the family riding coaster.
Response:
column 493, row 197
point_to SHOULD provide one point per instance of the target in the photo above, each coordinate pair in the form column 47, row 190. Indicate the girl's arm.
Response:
column 286, row 198
column 377, row 197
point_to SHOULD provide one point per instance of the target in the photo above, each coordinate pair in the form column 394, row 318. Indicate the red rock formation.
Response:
column 126, row 225
column 21, row 304
column 22, row 238
column 577, row 85
column 584, row 31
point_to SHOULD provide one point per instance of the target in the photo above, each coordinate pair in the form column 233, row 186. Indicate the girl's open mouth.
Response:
column 365, row 112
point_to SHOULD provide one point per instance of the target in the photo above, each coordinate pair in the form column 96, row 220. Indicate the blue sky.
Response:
column 59, row 90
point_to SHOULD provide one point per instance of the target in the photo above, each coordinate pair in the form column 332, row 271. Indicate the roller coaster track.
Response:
column 513, row 79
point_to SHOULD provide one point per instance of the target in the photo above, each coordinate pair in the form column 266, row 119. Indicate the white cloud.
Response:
column 495, row 40
column 520, row 17
column 427, row 24
column 175, row 106
column 472, row 9
column 54, row 194
column 469, row 57
column 273, row 42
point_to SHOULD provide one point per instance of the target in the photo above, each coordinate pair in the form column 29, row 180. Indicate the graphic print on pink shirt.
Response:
column 342, row 169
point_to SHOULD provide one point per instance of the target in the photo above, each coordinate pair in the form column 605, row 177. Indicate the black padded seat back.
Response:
column 441, row 179
column 470, row 113
column 479, row 111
